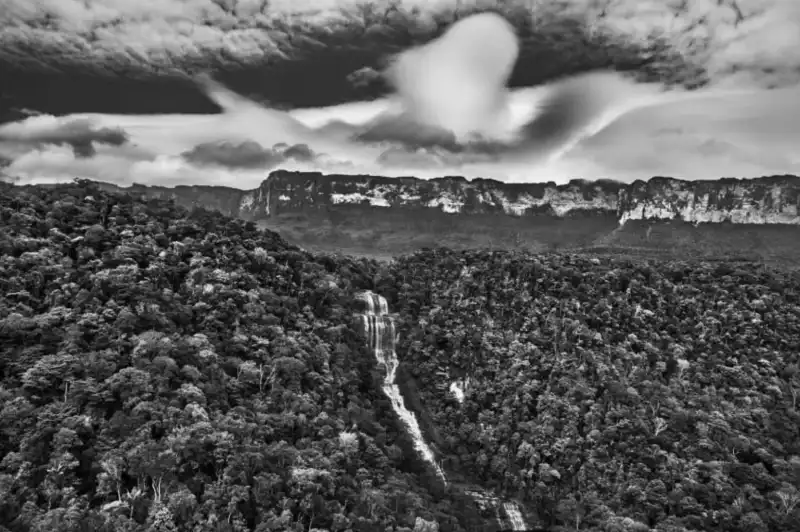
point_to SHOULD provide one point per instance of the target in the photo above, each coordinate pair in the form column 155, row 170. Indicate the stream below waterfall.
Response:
column 381, row 337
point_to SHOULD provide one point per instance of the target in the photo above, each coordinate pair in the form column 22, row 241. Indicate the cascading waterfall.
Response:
column 514, row 516
column 459, row 388
column 379, row 327
column 380, row 331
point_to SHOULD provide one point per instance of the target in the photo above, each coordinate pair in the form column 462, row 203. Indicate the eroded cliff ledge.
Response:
column 765, row 200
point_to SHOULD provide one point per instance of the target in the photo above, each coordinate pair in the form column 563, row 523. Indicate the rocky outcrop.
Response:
column 766, row 200
column 295, row 191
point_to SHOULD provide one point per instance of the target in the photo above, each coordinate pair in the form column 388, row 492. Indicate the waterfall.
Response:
column 514, row 516
column 379, row 327
column 458, row 391
column 507, row 514
column 381, row 338
column 459, row 388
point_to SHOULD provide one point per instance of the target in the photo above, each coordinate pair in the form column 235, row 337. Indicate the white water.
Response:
column 380, row 331
column 514, row 516
column 379, row 327
column 459, row 389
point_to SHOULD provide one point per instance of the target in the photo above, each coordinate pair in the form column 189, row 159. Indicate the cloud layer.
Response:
column 726, row 136
column 51, row 50
column 249, row 155
column 726, row 36
column 452, row 111
column 80, row 134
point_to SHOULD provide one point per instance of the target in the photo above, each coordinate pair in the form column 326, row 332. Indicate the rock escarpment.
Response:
column 766, row 200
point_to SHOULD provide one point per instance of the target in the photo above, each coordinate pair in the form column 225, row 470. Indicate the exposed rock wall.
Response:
column 766, row 200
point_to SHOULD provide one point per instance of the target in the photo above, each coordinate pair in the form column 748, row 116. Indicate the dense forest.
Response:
column 609, row 394
column 172, row 370
column 167, row 370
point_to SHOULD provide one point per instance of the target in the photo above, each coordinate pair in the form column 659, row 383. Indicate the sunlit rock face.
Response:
column 770, row 200
column 294, row 191
column 766, row 200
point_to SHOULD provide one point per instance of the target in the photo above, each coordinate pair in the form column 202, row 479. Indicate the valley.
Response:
column 165, row 368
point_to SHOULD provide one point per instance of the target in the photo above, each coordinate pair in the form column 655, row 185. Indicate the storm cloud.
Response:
column 80, row 134
column 344, row 79
column 331, row 52
column 249, row 154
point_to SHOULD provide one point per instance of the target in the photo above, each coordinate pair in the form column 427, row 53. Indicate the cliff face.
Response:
column 284, row 192
column 766, row 200
column 756, row 219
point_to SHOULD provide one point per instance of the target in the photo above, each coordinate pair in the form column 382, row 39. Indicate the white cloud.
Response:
column 458, row 82
column 57, row 164
column 746, row 135
column 728, row 136
column 737, row 136
column 738, row 42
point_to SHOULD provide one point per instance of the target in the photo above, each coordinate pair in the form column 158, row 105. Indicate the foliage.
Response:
column 610, row 394
column 165, row 369
column 172, row 370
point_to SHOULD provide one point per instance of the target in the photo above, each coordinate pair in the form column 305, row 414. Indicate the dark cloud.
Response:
column 406, row 131
column 79, row 134
column 247, row 155
column 282, row 60
column 368, row 79
column 301, row 153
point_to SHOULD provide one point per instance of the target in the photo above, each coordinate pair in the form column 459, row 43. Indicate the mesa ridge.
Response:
column 764, row 200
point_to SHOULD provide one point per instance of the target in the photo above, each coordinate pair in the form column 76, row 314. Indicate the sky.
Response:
column 224, row 91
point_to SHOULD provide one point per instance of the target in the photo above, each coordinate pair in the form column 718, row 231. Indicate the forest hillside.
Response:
column 611, row 394
column 172, row 370
column 167, row 370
